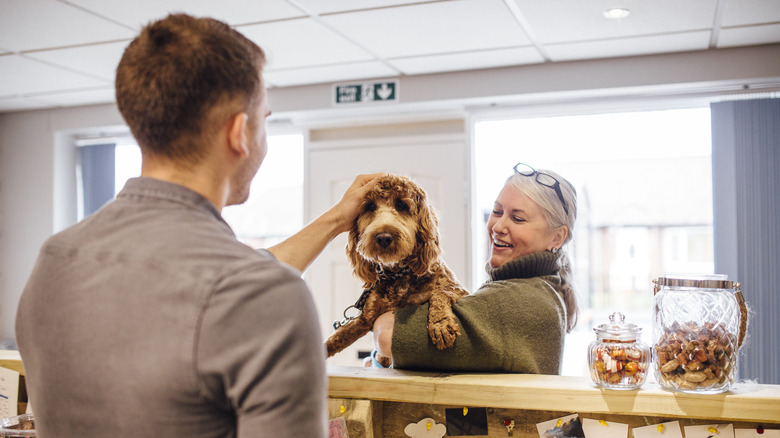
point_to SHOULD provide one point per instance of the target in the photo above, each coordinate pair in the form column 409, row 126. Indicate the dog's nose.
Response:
column 384, row 239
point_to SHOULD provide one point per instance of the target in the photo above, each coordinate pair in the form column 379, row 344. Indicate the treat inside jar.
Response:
column 696, row 356
column 618, row 359
column 619, row 363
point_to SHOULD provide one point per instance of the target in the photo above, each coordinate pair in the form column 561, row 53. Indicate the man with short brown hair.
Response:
column 149, row 318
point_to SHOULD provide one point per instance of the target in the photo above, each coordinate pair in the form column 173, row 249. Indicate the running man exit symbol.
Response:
column 367, row 92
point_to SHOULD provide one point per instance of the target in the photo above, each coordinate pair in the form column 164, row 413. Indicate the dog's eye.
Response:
column 401, row 206
column 370, row 206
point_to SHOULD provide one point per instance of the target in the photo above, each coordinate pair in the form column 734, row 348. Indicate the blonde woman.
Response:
column 517, row 320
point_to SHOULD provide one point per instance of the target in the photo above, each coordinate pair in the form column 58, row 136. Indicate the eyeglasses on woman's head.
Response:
column 544, row 179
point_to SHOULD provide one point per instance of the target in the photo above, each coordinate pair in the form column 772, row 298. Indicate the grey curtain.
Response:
column 746, row 222
column 97, row 175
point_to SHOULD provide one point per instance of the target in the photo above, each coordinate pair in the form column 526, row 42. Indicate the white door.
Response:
column 440, row 168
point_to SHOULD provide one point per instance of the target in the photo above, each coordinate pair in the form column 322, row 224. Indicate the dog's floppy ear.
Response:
column 363, row 269
column 427, row 250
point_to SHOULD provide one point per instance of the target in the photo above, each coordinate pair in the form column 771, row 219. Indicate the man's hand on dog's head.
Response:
column 349, row 205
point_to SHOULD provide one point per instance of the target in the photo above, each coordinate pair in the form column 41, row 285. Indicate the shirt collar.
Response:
column 151, row 188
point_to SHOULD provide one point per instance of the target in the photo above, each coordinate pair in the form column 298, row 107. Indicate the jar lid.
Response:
column 698, row 281
column 618, row 329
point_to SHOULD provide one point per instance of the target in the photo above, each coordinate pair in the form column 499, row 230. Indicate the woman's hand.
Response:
column 383, row 334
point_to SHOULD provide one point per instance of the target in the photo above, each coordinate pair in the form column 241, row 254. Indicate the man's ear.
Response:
column 237, row 134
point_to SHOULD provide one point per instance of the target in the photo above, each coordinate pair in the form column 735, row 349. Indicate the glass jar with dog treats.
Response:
column 617, row 358
column 699, row 323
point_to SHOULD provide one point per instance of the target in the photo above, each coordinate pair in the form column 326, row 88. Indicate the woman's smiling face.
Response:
column 517, row 227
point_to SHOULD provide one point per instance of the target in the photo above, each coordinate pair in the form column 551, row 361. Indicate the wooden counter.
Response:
column 395, row 398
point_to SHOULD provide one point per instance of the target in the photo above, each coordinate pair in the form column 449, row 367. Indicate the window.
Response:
column 273, row 212
column 644, row 186
column 127, row 163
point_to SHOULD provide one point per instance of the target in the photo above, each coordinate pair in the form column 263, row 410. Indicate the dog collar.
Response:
column 392, row 275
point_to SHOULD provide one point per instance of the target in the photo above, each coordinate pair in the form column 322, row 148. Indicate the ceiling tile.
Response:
column 44, row 24
column 331, row 6
column 332, row 73
column 644, row 45
column 99, row 60
column 27, row 76
column 138, row 13
column 432, row 28
column 313, row 44
column 467, row 61
column 749, row 35
column 64, row 52
column 744, row 12
column 557, row 21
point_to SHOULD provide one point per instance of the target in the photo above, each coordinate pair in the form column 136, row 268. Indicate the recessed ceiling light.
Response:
column 616, row 13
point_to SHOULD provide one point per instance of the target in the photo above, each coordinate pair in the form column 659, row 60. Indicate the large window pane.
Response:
column 644, row 185
column 127, row 164
column 274, row 210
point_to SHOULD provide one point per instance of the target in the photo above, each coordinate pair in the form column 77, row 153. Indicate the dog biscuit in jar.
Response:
column 617, row 358
column 699, row 324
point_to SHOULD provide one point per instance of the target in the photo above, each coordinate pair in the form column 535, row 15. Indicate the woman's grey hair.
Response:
column 556, row 216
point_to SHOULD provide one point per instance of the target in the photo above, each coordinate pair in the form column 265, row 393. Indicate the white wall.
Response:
column 29, row 143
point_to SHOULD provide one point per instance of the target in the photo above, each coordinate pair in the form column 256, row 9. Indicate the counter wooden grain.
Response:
column 536, row 398
column 12, row 360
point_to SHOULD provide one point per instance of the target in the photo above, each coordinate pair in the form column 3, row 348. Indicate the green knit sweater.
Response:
column 515, row 322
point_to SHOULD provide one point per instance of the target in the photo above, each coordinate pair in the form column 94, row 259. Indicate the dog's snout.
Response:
column 384, row 239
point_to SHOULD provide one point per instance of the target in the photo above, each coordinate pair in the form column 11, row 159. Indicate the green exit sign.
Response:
column 366, row 92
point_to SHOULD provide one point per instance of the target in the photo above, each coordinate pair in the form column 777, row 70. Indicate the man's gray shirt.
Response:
column 149, row 318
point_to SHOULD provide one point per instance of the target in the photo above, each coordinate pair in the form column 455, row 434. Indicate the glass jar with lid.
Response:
column 617, row 358
column 699, row 324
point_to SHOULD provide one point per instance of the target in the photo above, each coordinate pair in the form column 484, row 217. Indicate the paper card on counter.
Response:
column 709, row 431
column 337, row 428
column 426, row 428
column 9, row 392
column 756, row 433
column 663, row 430
column 604, row 429
column 563, row 427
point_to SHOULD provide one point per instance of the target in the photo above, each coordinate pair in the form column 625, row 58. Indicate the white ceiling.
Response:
column 57, row 53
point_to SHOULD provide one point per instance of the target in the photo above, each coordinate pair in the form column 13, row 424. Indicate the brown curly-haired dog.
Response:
column 394, row 249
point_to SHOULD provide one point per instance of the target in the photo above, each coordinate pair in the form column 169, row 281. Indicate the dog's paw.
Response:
column 332, row 347
column 444, row 332
column 384, row 360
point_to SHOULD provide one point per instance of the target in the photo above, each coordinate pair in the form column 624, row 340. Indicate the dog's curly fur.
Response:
column 394, row 249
